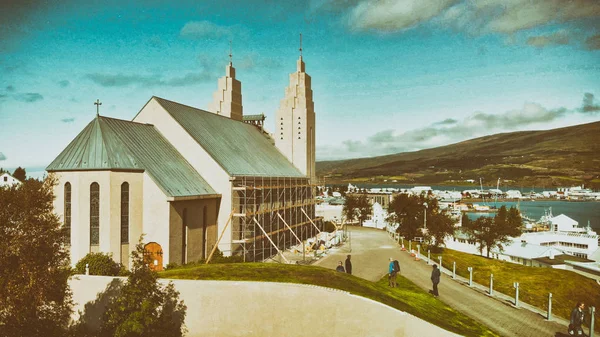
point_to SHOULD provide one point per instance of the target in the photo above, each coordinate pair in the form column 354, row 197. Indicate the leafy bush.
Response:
column 100, row 264
column 143, row 307
column 329, row 227
column 219, row 258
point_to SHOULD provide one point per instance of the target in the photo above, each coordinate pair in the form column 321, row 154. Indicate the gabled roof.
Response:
column 238, row 147
column 113, row 144
column 526, row 250
column 563, row 220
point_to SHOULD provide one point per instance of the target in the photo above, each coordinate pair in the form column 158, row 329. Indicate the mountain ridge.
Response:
column 555, row 157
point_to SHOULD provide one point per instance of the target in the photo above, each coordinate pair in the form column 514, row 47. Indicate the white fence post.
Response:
column 470, row 276
column 516, row 285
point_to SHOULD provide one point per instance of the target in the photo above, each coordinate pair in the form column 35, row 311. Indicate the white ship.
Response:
column 565, row 234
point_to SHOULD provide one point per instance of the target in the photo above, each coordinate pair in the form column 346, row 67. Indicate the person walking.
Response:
column 348, row 265
column 577, row 316
column 392, row 273
column 435, row 279
column 340, row 267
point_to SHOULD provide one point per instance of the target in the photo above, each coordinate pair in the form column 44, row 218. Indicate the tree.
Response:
column 20, row 174
column 364, row 208
column 35, row 299
column 489, row 233
column 439, row 226
column 144, row 307
column 409, row 212
column 350, row 210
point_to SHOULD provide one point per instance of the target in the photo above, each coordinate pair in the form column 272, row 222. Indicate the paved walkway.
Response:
column 371, row 250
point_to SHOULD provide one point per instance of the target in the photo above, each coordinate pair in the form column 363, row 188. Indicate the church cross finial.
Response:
column 300, row 45
column 97, row 104
column 230, row 55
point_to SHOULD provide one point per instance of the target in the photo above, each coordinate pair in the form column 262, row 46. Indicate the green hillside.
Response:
column 406, row 297
column 558, row 157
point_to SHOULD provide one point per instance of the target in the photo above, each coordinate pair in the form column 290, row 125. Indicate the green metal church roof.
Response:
column 109, row 144
column 238, row 147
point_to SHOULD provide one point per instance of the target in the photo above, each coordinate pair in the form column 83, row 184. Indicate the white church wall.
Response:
column 136, row 201
column 80, row 210
column 156, row 217
column 110, row 211
column 207, row 167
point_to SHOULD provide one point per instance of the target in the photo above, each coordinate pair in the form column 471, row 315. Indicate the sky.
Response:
column 387, row 76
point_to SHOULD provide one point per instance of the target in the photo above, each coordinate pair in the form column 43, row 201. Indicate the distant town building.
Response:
column 6, row 180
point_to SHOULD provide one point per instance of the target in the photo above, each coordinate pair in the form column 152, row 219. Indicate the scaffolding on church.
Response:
column 270, row 215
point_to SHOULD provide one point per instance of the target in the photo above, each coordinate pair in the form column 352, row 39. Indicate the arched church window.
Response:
column 94, row 214
column 67, row 224
column 125, row 212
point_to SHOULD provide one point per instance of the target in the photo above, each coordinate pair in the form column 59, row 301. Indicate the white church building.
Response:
column 191, row 179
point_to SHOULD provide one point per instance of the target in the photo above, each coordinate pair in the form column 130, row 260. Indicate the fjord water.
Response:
column 580, row 211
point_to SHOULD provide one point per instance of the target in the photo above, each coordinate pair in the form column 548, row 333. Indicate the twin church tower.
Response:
column 294, row 133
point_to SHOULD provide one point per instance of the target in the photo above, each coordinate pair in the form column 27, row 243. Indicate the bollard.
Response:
column 454, row 269
column 549, row 306
column 418, row 252
column 516, row 285
column 592, row 319
column 470, row 276
column 440, row 258
column 87, row 268
column 428, row 256
column 491, row 284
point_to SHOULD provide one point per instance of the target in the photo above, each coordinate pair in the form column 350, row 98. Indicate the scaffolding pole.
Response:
column 309, row 219
column 271, row 241
column 220, row 237
column 290, row 228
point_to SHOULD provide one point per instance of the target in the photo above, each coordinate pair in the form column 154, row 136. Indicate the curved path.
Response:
column 371, row 250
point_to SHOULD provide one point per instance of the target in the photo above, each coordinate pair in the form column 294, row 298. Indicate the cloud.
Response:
column 123, row 80
column 557, row 38
column 10, row 88
column 2, row 156
column 64, row 83
column 447, row 121
column 199, row 30
column 472, row 17
column 508, row 17
column 68, row 120
column 588, row 105
column 451, row 131
column 28, row 97
column 593, row 42
column 393, row 16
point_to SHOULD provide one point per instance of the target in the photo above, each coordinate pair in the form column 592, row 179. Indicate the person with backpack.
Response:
column 392, row 273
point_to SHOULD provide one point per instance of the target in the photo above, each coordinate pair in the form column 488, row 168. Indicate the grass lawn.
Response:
column 535, row 283
column 407, row 297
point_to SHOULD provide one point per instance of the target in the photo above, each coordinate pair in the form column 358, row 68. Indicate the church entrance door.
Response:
column 153, row 255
